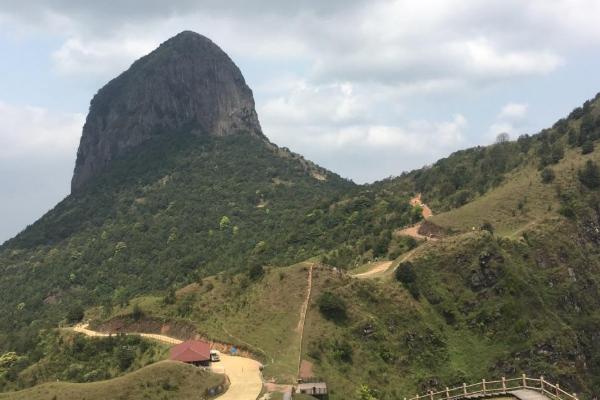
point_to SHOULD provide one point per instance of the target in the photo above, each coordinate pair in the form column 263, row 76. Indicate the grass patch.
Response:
column 165, row 379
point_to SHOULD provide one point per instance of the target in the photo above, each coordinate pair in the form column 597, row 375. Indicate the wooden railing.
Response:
column 499, row 387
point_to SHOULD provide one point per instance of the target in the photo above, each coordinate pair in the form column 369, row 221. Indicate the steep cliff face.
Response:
column 188, row 85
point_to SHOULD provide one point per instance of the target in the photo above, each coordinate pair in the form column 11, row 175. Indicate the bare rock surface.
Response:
column 188, row 85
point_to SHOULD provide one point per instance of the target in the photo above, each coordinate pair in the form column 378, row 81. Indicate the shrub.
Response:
column 587, row 147
column 256, row 272
column 75, row 314
column 406, row 274
column 547, row 175
column 487, row 226
column 332, row 306
column 589, row 176
column 137, row 313
column 170, row 297
column 342, row 351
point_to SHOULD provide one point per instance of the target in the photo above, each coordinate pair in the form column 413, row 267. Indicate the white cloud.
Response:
column 513, row 111
column 76, row 57
column 33, row 132
column 511, row 119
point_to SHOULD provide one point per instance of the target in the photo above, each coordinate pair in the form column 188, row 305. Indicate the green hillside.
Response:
column 217, row 236
column 162, row 380
column 178, row 210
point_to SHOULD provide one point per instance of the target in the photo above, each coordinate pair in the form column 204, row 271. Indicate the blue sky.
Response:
column 367, row 89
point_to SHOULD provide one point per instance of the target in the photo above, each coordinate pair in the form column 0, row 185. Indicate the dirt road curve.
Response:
column 416, row 201
column 380, row 266
column 244, row 373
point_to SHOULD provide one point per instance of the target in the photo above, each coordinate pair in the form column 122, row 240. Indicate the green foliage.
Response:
column 137, row 313
column 487, row 226
column 589, row 176
column 587, row 147
column 74, row 358
column 547, row 175
column 332, row 306
column 366, row 393
column 406, row 274
column 256, row 272
column 170, row 297
column 75, row 313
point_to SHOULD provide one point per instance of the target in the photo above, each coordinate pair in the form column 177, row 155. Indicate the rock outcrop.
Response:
column 187, row 85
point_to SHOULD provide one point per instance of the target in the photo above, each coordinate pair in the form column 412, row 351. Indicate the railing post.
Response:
column 417, row 396
column 575, row 395
column 431, row 394
column 524, row 381
column 447, row 392
column 483, row 385
column 557, row 387
column 542, row 384
column 503, row 384
column 464, row 388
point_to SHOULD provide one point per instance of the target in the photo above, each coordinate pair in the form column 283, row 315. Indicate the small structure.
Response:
column 194, row 352
column 316, row 389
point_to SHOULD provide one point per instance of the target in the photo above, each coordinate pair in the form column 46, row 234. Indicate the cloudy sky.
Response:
column 365, row 88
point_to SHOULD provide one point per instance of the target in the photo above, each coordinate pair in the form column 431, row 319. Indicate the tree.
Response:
column 256, row 271
column 502, row 137
column 170, row 297
column 589, row 176
column 587, row 147
column 332, row 306
column 366, row 393
column 137, row 312
column 557, row 153
column 75, row 313
column 487, row 226
column 547, row 175
column 225, row 222
column 407, row 275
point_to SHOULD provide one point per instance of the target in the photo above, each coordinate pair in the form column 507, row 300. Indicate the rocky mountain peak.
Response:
column 188, row 85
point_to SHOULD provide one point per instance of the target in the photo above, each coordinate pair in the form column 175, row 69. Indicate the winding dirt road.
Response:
column 380, row 266
column 244, row 373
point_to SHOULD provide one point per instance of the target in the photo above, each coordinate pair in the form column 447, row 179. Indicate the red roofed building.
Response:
column 192, row 352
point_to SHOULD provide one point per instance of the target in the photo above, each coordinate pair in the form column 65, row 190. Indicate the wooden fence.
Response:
column 499, row 387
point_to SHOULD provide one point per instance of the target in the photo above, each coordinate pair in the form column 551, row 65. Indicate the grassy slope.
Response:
column 501, row 206
column 165, row 379
column 261, row 317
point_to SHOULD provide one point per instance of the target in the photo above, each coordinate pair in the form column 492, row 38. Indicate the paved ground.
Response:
column 244, row 373
column 526, row 394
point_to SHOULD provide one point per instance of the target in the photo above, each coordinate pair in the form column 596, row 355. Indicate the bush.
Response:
column 342, row 351
column 547, row 175
column 75, row 314
column 137, row 312
column 170, row 297
column 487, row 226
column 332, row 306
column 587, row 147
column 589, row 176
column 406, row 274
column 256, row 272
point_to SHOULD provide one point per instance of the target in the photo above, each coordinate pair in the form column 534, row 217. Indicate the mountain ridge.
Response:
column 188, row 84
